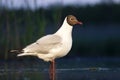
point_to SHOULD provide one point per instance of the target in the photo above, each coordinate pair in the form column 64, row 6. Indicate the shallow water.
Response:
column 66, row 69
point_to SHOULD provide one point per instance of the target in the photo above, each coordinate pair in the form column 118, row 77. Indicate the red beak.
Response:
column 79, row 23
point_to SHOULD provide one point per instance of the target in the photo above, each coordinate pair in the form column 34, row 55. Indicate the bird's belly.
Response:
column 63, row 51
column 57, row 52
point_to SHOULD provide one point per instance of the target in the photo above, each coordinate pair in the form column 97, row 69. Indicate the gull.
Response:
column 52, row 46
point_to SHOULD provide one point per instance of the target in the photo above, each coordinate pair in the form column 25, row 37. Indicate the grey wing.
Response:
column 44, row 44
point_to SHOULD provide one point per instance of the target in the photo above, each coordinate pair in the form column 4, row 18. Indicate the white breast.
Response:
column 66, row 48
column 65, row 32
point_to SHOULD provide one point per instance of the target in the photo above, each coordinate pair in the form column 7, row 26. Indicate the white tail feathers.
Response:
column 22, row 54
column 26, row 54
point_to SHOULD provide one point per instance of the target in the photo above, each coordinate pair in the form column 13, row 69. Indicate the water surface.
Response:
column 66, row 69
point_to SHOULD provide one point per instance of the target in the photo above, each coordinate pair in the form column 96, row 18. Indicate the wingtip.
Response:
column 16, row 51
column 13, row 51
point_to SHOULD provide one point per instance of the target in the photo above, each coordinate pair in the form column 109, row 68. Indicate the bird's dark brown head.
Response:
column 72, row 20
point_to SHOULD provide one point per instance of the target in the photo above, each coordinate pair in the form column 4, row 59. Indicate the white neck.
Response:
column 65, row 29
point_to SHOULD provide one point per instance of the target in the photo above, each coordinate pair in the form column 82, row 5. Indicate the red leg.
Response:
column 52, row 70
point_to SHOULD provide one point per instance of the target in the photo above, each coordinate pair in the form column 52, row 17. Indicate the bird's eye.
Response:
column 71, row 19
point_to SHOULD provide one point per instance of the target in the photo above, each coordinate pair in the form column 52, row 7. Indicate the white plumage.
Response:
column 51, row 46
column 55, row 45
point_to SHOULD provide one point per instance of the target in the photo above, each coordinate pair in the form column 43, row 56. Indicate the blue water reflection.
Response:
column 66, row 69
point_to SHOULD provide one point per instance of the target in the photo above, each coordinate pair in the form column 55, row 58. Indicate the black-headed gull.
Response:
column 53, row 46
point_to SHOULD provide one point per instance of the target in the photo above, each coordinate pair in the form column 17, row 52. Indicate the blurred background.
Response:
column 96, row 44
column 23, row 22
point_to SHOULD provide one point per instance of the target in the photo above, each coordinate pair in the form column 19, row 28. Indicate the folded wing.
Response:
column 44, row 44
